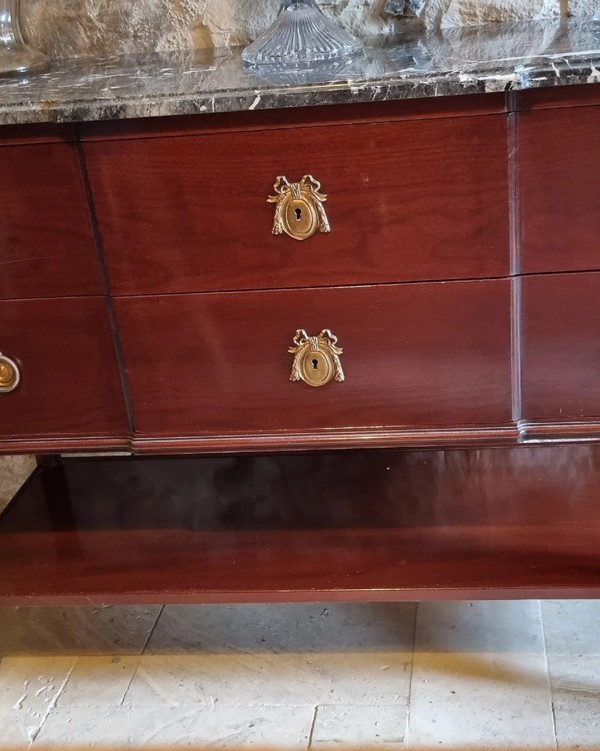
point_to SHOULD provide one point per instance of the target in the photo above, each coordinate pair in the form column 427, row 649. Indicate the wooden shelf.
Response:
column 379, row 525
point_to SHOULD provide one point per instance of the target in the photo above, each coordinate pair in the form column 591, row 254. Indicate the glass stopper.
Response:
column 301, row 35
column 16, row 56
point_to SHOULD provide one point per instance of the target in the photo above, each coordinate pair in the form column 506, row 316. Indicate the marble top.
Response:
column 492, row 58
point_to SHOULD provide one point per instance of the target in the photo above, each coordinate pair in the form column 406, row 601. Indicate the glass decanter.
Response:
column 300, row 36
column 16, row 56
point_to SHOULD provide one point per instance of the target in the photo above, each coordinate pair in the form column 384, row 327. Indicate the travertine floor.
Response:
column 481, row 675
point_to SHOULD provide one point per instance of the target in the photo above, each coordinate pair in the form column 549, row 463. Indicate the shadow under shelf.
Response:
column 350, row 525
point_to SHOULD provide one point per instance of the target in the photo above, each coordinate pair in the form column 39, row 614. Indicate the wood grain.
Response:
column 290, row 440
column 515, row 523
column 561, row 348
column 36, row 133
column 295, row 117
column 581, row 95
column 46, row 244
column 410, row 200
column 414, row 355
column 418, row 190
column 70, row 384
column 559, row 173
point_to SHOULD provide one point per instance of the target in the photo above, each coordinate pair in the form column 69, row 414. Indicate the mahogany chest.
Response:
column 439, row 290
column 147, row 304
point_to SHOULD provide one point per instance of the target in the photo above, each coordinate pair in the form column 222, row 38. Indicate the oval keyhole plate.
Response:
column 9, row 375
column 317, row 368
column 300, row 219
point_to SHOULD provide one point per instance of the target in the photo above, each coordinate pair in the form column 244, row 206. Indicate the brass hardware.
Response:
column 9, row 374
column 299, row 211
column 316, row 358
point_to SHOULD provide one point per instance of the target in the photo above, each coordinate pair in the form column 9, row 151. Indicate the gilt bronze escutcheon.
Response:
column 299, row 210
column 316, row 358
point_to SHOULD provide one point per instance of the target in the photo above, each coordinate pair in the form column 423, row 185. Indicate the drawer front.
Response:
column 46, row 244
column 406, row 201
column 69, row 383
column 561, row 347
column 560, row 189
column 414, row 355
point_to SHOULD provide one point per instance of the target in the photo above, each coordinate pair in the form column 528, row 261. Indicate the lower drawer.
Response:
column 69, row 381
column 561, row 347
column 415, row 355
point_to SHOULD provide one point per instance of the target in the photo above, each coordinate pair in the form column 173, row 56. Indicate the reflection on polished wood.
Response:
column 191, row 213
column 416, row 356
column 380, row 525
column 560, row 188
column 560, row 348
column 70, row 389
column 46, row 243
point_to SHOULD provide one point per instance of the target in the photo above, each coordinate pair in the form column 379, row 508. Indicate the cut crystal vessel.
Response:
column 16, row 56
column 300, row 36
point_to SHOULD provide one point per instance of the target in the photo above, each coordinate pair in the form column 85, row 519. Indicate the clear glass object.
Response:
column 300, row 36
column 16, row 56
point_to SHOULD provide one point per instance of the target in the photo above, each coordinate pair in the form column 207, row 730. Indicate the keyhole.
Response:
column 315, row 364
column 299, row 216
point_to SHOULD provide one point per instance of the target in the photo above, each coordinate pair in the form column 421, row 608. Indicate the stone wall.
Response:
column 64, row 28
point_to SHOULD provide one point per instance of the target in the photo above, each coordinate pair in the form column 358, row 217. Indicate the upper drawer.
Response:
column 560, row 189
column 414, row 355
column 46, row 244
column 561, row 347
column 407, row 200
column 69, row 379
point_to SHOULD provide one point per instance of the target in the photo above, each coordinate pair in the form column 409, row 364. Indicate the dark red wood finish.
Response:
column 419, row 193
column 46, row 244
column 581, row 95
column 424, row 199
column 374, row 436
column 295, row 117
column 417, row 190
column 561, row 347
column 559, row 175
column 518, row 523
column 70, row 383
column 414, row 355
column 36, row 133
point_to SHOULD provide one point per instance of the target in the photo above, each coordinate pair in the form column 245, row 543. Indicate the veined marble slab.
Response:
column 491, row 58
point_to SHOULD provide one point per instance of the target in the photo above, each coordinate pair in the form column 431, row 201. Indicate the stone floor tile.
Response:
column 359, row 727
column 219, row 726
column 298, row 627
column 96, row 681
column 14, row 470
column 509, row 626
column 86, row 630
column 575, row 685
column 274, row 679
column 479, row 701
column 572, row 626
column 29, row 688
column 18, row 728
column 479, row 678
column 32, row 684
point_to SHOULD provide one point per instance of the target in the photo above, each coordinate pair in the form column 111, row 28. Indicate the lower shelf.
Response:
column 377, row 525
